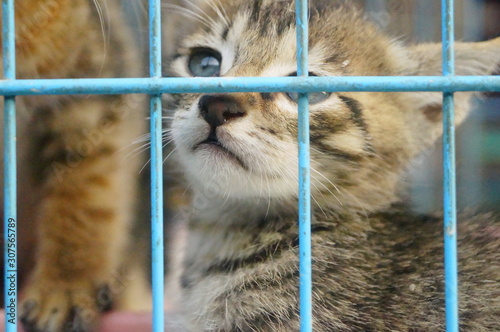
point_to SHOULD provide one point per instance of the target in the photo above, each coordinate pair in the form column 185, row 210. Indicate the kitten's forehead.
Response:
column 260, row 32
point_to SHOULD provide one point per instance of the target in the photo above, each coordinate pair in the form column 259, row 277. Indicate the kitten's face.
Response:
column 244, row 145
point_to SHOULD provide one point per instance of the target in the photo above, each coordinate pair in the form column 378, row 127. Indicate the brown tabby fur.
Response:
column 377, row 266
column 76, row 186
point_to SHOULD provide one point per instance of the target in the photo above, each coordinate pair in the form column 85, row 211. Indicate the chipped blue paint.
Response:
column 248, row 84
column 305, row 268
column 157, row 245
column 449, row 185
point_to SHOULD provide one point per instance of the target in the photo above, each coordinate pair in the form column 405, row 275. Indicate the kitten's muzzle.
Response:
column 220, row 109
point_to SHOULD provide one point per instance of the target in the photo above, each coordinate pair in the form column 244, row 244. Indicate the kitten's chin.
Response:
column 215, row 152
column 214, row 171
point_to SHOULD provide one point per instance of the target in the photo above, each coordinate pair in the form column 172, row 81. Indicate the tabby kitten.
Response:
column 76, row 188
column 377, row 266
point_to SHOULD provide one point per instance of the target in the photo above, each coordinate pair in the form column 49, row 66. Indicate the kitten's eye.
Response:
column 205, row 62
column 314, row 97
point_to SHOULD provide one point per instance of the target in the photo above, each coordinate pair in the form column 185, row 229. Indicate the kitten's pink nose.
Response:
column 220, row 109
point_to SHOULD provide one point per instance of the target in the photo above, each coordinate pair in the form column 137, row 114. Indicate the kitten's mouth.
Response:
column 213, row 144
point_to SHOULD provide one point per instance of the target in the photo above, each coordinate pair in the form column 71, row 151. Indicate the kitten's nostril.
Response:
column 218, row 110
column 228, row 116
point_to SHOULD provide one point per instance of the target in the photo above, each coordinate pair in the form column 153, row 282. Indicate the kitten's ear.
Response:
column 481, row 58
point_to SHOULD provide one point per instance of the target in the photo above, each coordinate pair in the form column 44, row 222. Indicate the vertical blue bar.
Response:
column 10, row 187
column 304, row 173
column 156, row 170
column 449, row 188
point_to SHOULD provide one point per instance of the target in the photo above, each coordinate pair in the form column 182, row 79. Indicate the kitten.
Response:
column 77, row 189
column 377, row 266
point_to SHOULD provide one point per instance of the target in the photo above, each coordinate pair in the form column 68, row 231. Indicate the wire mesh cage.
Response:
column 156, row 85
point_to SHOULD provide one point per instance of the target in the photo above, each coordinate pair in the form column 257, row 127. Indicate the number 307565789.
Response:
column 11, row 246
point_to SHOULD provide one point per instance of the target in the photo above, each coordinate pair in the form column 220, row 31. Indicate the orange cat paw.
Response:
column 63, row 308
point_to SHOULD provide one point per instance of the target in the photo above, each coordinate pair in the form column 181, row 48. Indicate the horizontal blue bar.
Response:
column 248, row 84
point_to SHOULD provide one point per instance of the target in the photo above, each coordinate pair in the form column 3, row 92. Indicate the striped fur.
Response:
column 77, row 189
column 376, row 266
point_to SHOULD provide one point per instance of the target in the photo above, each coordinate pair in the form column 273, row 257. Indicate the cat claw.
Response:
column 26, row 317
column 73, row 309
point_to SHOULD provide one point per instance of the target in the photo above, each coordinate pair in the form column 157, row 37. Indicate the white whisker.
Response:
column 217, row 10
column 188, row 13
column 104, row 24
column 171, row 152
column 193, row 5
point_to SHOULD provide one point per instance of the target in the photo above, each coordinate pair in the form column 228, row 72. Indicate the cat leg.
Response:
column 88, row 188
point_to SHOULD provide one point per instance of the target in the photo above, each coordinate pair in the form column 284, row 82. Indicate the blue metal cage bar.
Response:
column 10, row 185
column 157, row 246
column 305, row 267
column 155, row 86
column 248, row 84
column 449, row 185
